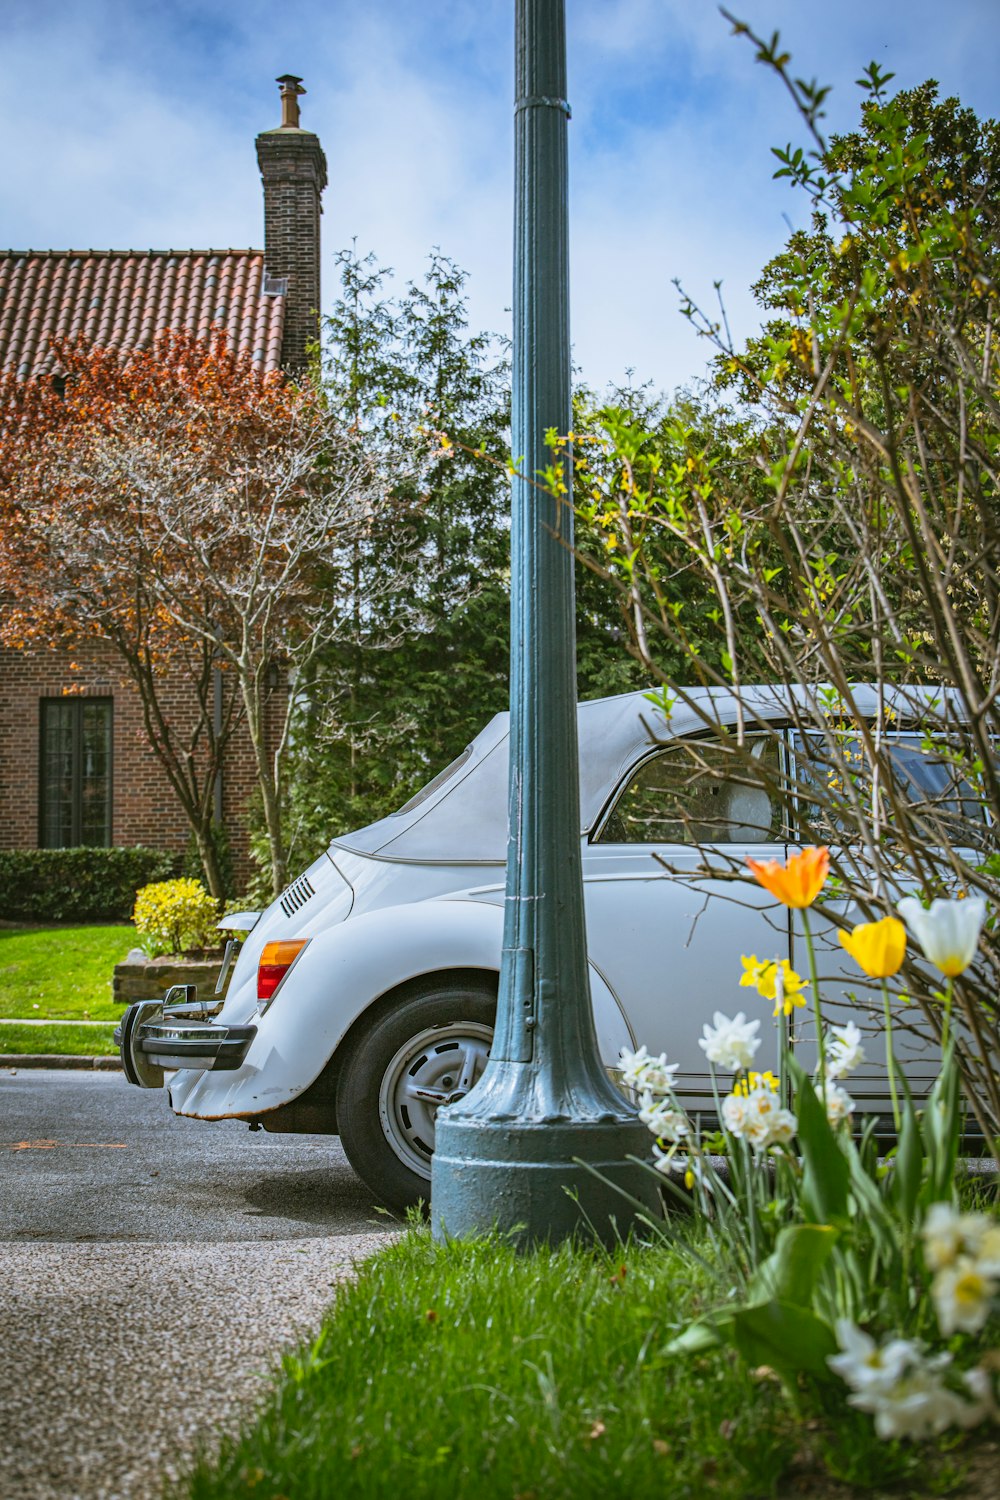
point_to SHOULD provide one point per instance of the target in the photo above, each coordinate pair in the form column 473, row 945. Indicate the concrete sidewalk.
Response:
column 123, row 1361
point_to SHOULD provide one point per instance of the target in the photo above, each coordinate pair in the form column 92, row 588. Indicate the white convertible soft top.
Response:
column 464, row 820
column 461, row 817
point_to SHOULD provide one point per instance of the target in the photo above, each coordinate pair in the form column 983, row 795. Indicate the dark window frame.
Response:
column 76, row 704
column 778, row 733
column 907, row 736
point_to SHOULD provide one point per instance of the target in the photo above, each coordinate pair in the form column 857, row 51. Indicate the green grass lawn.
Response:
column 61, row 1038
column 61, row 973
column 468, row 1370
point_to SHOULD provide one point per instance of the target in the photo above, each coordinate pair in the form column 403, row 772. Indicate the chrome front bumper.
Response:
column 151, row 1039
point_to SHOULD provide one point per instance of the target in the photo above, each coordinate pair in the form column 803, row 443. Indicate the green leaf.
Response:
column 791, row 1271
column 707, row 1333
column 909, row 1161
column 941, row 1125
column 785, row 1336
column 826, row 1177
column 870, row 1204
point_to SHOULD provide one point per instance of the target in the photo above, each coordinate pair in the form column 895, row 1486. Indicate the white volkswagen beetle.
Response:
column 364, row 997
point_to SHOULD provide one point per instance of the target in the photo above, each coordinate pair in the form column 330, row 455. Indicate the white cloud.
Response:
column 136, row 122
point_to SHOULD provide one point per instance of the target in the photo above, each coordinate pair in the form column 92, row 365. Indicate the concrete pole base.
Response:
column 537, row 1183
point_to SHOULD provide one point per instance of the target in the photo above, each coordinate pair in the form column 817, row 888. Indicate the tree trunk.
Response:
column 209, row 856
column 275, row 833
column 267, row 782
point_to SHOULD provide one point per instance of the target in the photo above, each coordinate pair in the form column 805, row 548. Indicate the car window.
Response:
column 434, row 785
column 931, row 785
column 697, row 792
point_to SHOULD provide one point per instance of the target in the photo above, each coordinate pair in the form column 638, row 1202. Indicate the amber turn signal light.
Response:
column 275, row 961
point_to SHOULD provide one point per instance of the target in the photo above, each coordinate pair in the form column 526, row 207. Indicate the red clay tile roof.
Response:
column 121, row 299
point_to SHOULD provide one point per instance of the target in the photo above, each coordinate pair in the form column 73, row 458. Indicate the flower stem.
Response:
column 889, row 1058
column 784, row 1087
column 946, row 1027
column 820, row 1041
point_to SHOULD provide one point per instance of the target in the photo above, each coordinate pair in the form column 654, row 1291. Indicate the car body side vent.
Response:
column 296, row 896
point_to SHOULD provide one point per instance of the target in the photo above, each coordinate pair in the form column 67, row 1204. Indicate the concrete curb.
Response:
column 59, row 1060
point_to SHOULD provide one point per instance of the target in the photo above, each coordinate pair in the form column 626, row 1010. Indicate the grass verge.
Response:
column 64, row 1039
column 471, row 1371
column 61, row 973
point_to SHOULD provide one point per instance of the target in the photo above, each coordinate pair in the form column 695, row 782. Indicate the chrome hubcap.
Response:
column 437, row 1066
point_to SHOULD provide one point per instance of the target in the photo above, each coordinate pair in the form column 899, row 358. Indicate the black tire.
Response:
column 432, row 1040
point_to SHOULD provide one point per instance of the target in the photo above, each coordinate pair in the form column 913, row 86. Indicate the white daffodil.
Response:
column 730, row 1044
column 641, row 1071
column 903, row 1388
column 735, row 1113
column 767, row 1122
column 839, row 1103
column 665, row 1161
column 863, row 1365
column 689, row 1167
column 942, row 1235
column 962, row 1295
column 948, row 1234
column 844, row 1051
column 948, row 933
column 757, row 1116
column 919, row 1406
column 662, row 1119
column 983, row 1403
column 982, row 1237
column 784, row 1126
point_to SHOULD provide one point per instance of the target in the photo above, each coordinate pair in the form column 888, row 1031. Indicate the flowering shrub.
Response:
column 174, row 915
column 839, row 1266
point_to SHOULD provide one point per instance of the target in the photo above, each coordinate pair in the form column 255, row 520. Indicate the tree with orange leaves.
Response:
column 198, row 517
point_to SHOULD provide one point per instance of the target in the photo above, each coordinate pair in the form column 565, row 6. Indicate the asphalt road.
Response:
column 85, row 1156
column 152, row 1270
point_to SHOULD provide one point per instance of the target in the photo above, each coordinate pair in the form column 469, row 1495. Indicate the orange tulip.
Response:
column 877, row 947
column 797, row 883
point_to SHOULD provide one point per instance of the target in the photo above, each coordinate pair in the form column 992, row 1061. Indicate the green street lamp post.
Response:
column 511, row 1153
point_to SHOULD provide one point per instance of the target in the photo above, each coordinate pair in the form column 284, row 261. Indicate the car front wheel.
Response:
column 401, row 1067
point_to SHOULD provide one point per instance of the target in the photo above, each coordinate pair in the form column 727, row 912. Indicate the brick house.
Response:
column 75, row 765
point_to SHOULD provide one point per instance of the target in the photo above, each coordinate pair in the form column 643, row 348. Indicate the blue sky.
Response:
column 135, row 121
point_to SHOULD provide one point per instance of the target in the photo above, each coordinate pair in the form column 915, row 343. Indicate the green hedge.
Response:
column 78, row 885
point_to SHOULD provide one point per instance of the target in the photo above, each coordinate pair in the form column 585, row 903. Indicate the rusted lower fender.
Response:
column 337, row 977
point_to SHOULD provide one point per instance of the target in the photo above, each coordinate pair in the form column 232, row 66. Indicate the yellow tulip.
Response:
column 877, row 947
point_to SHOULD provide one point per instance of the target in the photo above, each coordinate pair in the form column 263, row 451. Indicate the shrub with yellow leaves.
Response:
column 173, row 916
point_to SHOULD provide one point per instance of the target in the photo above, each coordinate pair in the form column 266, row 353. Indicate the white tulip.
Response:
column 948, row 933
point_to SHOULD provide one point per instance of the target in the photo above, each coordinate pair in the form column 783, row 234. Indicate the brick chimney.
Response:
column 293, row 169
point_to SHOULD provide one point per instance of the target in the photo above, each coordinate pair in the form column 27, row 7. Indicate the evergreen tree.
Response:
column 426, row 664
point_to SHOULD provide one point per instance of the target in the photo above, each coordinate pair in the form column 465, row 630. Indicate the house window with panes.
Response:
column 75, row 766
